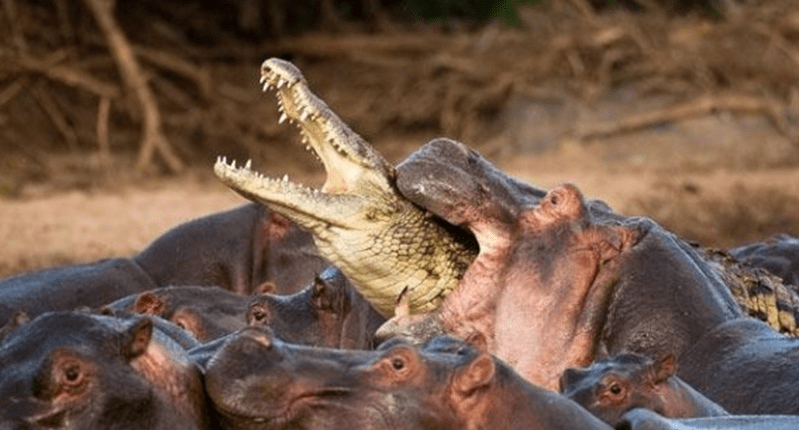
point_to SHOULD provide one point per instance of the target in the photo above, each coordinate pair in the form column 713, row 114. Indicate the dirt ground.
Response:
column 722, row 173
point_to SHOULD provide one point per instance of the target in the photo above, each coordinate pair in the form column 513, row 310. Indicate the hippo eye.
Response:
column 398, row 364
column 554, row 199
column 72, row 374
column 615, row 389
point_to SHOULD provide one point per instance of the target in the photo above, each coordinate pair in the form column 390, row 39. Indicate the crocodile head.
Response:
column 359, row 221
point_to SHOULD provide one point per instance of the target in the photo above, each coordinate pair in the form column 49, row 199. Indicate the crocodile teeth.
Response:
column 248, row 166
column 286, row 178
column 283, row 118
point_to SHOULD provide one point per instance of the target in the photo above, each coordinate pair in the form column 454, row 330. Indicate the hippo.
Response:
column 613, row 386
column 240, row 249
column 70, row 287
column 75, row 370
column 561, row 280
column 257, row 381
column 779, row 255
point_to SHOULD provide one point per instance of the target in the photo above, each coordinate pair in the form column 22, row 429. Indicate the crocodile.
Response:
column 360, row 222
column 387, row 241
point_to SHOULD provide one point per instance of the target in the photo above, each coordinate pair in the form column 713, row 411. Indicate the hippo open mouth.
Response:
column 359, row 220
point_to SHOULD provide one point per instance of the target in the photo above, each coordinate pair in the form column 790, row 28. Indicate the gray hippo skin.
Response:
column 644, row 419
column 71, row 287
column 560, row 280
column 207, row 312
column 257, row 381
column 73, row 370
column 746, row 367
column 610, row 387
column 239, row 250
column 328, row 312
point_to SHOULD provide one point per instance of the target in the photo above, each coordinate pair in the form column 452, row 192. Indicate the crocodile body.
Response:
column 360, row 222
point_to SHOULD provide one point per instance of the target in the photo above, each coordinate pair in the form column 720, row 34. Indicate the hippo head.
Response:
column 610, row 387
column 257, row 381
column 69, row 370
column 329, row 312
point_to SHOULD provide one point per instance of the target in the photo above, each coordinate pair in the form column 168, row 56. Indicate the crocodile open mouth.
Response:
column 359, row 220
column 346, row 157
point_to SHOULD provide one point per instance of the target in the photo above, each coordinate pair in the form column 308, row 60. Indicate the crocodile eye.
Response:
column 398, row 364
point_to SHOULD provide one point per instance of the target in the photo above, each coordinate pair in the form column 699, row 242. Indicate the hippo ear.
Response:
column 665, row 367
column 326, row 296
column 478, row 374
column 570, row 377
column 150, row 303
column 137, row 338
column 267, row 287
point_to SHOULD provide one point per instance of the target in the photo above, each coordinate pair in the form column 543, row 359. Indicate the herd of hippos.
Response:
column 437, row 294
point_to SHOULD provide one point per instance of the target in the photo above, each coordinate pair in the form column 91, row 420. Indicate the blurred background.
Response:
column 112, row 113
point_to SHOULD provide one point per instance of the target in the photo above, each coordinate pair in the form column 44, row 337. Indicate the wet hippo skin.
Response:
column 71, row 287
column 206, row 312
column 746, row 367
column 559, row 279
column 328, row 312
column 238, row 249
column 257, row 381
column 610, row 387
column 73, row 370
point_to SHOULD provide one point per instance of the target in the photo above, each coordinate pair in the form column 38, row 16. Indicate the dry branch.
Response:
column 103, row 145
column 165, row 60
column 69, row 76
column 701, row 106
column 153, row 139
column 12, row 90
column 13, row 21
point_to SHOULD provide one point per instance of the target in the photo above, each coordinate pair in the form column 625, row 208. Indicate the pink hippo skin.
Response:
column 559, row 280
